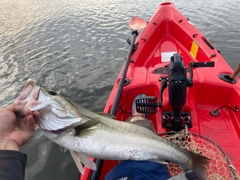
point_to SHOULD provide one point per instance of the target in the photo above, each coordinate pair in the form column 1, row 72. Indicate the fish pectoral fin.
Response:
column 77, row 162
column 89, row 125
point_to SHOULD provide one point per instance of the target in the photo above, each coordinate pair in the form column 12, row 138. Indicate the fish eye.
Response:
column 52, row 93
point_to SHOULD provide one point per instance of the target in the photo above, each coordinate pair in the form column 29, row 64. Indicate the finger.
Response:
column 36, row 114
column 17, row 109
column 14, row 107
column 27, row 112
column 30, row 123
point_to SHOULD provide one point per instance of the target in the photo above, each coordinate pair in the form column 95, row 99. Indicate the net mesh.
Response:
column 218, row 168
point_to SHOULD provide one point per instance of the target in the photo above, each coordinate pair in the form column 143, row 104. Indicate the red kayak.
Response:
column 188, row 86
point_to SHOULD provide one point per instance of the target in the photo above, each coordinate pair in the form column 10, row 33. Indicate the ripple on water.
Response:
column 77, row 47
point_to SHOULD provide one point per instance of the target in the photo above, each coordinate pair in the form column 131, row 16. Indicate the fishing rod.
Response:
column 123, row 76
column 135, row 24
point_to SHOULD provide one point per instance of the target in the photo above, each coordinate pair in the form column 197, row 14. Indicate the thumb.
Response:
column 17, row 109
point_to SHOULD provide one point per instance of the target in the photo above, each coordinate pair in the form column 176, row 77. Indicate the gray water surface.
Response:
column 77, row 47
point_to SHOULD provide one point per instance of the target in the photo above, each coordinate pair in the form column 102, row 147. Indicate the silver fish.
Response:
column 87, row 134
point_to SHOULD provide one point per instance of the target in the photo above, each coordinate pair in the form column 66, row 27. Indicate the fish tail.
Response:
column 199, row 165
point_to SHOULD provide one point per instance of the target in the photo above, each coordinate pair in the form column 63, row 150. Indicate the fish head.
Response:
column 56, row 113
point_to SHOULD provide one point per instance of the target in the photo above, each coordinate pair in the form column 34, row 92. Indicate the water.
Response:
column 77, row 47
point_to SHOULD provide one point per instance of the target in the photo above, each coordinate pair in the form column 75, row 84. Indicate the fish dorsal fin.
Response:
column 144, row 123
column 89, row 125
column 81, row 158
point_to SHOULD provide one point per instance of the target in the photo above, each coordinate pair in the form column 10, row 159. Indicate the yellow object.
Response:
column 194, row 49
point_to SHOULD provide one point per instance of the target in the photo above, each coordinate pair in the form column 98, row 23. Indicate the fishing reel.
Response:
column 177, row 83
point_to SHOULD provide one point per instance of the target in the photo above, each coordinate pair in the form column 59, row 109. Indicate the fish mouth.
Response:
column 29, row 95
column 33, row 96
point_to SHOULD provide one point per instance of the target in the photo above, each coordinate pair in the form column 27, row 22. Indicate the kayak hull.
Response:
column 169, row 32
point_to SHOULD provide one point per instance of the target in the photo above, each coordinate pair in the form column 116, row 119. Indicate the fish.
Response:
column 87, row 134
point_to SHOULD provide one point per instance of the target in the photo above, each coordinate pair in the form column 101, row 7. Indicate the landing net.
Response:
column 219, row 168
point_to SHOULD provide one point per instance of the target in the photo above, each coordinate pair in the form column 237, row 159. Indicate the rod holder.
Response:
column 227, row 78
column 230, row 78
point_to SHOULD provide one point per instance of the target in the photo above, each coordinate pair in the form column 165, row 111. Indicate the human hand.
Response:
column 15, row 131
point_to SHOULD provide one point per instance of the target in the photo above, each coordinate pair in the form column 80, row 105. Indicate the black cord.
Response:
column 216, row 113
column 235, row 109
